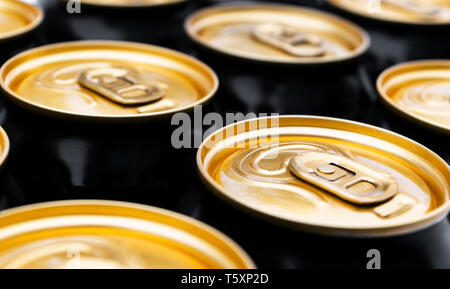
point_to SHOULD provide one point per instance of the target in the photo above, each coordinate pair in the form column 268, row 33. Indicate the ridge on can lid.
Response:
column 17, row 18
column 419, row 90
column 131, row 3
column 417, row 12
column 327, row 176
column 277, row 33
column 107, row 80
column 110, row 234
column 4, row 146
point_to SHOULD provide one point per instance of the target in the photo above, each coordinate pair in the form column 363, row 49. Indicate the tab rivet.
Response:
column 326, row 169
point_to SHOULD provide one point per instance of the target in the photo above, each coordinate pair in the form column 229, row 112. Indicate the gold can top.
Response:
column 17, row 18
column 326, row 175
column 418, row 12
column 4, row 146
column 419, row 90
column 107, row 234
column 132, row 3
column 276, row 33
column 113, row 80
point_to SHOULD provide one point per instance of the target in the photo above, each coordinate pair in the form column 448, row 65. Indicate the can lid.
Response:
column 326, row 175
column 418, row 12
column 4, row 146
column 419, row 90
column 97, row 80
column 107, row 234
column 17, row 18
column 276, row 33
column 131, row 3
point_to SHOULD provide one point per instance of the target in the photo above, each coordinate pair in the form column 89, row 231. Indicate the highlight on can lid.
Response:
column 132, row 3
column 17, row 18
column 113, row 80
column 109, row 234
column 327, row 176
column 418, row 12
column 419, row 90
column 4, row 146
column 277, row 33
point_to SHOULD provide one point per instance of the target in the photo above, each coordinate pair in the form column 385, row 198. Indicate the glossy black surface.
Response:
column 52, row 159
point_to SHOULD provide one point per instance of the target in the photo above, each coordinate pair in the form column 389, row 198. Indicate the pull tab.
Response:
column 120, row 85
column 289, row 40
column 398, row 205
column 414, row 7
column 343, row 177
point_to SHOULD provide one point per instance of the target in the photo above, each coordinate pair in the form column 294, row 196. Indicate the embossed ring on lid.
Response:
column 132, row 3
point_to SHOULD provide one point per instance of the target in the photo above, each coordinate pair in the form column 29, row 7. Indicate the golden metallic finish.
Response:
column 273, row 33
column 4, row 146
column 418, row 12
column 290, row 40
column 419, row 90
column 131, row 3
column 17, row 18
column 46, row 80
column 107, row 234
column 247, row 163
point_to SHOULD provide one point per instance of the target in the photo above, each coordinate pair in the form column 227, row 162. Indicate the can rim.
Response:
column 42, row 205
column 429, row 217
column 6, row 148
column 27, row 28
column 64, row 113
column 391, row 104
column 359, row 51
column 387, row 19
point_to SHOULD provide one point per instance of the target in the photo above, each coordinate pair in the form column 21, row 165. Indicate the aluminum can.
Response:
column 327, row 176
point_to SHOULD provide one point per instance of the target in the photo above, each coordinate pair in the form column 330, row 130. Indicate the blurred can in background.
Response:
column 351, row 186
column 419, row 91
column 109, row 105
